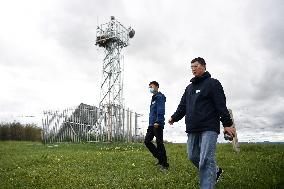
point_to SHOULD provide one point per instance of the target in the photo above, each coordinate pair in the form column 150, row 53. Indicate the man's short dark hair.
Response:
column 200, row 60
column 154, row 83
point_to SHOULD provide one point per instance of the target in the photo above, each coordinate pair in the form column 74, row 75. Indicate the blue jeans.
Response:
column 201, row 149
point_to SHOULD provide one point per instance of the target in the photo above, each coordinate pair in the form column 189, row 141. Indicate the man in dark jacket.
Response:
column 204, row 105
column 156, row 125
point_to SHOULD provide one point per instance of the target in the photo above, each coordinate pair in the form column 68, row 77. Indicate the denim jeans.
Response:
column 201, row 149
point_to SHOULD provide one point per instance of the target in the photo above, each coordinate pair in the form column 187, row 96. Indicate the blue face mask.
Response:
column 152, row 90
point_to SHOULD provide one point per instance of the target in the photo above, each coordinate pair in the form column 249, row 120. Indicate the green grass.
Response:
column 122, row 165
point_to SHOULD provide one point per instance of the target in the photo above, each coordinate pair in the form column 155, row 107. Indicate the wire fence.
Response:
column 91, row 124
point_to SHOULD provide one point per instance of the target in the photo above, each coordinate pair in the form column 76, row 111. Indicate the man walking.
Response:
column 204, row 105
column 156, row 125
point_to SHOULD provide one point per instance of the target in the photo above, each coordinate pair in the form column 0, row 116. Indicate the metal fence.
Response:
column 89, row 123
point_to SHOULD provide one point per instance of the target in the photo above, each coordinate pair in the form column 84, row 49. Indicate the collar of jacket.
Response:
column 200, row 78
column 156, row 93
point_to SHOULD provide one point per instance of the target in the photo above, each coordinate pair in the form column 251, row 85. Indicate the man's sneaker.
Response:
column 164, row 167
column 218, row 174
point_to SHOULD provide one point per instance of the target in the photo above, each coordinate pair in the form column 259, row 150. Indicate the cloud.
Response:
column 268, row 32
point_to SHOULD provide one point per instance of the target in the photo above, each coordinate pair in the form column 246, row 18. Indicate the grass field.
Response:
column 121, row 165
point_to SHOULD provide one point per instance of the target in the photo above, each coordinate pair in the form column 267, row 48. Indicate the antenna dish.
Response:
column 131, row 33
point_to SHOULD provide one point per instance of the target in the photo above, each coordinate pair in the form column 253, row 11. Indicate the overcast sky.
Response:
column 48, row 57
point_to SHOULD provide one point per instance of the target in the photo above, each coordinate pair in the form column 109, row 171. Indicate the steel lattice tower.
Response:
column 112, row 36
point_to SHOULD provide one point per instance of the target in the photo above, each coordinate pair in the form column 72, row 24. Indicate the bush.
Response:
column 18, row 131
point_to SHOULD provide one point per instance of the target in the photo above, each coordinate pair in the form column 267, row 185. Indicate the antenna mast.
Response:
column 112, row 36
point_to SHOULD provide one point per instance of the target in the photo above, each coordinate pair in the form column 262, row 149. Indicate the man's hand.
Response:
column 171, row 122
column 156, row 125
column 230, row 130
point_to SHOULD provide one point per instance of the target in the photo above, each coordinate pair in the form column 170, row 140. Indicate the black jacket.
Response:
column 204, row 105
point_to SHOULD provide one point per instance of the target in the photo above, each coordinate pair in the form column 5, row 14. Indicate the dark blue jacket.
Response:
column 157, row 109
column 204, row 105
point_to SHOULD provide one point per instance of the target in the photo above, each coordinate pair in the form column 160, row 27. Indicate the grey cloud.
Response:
column 265, row 21
column 74, row 24
column 277, row 121
column 270, row 13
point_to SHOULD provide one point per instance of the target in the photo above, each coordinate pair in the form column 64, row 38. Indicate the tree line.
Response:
column 21, row 132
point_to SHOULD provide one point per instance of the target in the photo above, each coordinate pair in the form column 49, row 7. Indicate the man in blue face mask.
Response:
column 156, row 125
